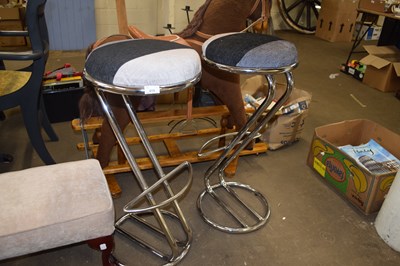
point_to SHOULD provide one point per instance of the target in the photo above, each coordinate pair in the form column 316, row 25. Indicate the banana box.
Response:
column 364, row 188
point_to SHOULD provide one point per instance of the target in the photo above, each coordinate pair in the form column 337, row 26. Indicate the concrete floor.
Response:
column 310, row 223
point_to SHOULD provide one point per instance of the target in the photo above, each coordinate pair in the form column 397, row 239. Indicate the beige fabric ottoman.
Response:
column 55, row 205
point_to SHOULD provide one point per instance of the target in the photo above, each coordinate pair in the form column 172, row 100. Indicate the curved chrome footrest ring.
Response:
column 246, row 218
column 201, row 152
column 179, row 249
column 129, row 207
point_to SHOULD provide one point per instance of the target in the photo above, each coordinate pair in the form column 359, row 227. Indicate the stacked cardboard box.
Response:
column 336, row 20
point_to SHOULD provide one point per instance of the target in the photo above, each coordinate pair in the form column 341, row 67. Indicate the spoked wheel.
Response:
column 301, row 15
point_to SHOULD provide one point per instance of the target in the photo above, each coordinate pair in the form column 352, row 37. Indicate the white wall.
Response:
column 151, row 16
column 142, row 13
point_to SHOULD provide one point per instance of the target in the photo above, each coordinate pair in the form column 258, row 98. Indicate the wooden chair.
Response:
column 4, row 157
column 23, row 87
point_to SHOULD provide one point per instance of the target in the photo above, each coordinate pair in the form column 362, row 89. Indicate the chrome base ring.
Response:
column 179, row 248
column 230, row 197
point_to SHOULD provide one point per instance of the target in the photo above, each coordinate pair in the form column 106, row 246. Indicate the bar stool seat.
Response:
column 244, row 53
column 139, row 67
column 142, row 68
column 249, row 53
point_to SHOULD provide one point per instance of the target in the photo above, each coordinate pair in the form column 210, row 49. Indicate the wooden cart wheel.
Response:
column 301, row 15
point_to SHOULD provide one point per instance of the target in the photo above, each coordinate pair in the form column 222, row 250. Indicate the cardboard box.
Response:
column 383, row 67
column 372, row 5
column 12, row 19
column 13, row 13
column 362, row 188
column 286, row 127
column 371, row 33
column 11, row 41
column 336, row 20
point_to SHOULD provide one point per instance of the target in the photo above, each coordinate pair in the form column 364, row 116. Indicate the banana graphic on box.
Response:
column 359, row 179
column 386, row 183
column 319, row 147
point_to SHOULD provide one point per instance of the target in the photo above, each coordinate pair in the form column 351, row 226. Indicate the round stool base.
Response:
column 230, row 199
column 179, row 248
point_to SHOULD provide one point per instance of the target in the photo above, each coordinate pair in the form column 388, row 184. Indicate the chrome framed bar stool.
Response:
column 141, row 68
column 244, row 53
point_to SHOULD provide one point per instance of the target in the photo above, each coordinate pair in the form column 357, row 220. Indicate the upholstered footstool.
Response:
column 53, row 206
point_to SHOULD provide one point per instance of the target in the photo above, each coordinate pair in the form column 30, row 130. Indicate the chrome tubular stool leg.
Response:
column 244, row 53
column 138, row 68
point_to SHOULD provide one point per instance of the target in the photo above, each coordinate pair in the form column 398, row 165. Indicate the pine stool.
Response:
column 145, row 67
column 244, row 53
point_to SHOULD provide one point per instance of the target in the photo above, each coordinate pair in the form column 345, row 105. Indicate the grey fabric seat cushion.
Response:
column 143, row 62
column 250, row 50
column 55, row 205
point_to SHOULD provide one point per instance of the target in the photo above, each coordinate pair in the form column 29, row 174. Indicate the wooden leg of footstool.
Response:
column 106, row 246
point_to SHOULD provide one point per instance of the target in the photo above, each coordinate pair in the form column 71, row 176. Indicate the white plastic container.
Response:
column 387, row 222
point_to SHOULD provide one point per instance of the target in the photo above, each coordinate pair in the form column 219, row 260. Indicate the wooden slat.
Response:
column 159, row 137
column 172, row 147
column 178, row 114
column 165, row 160
column 175, row 156
column 158, row 116
column 90, row 124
